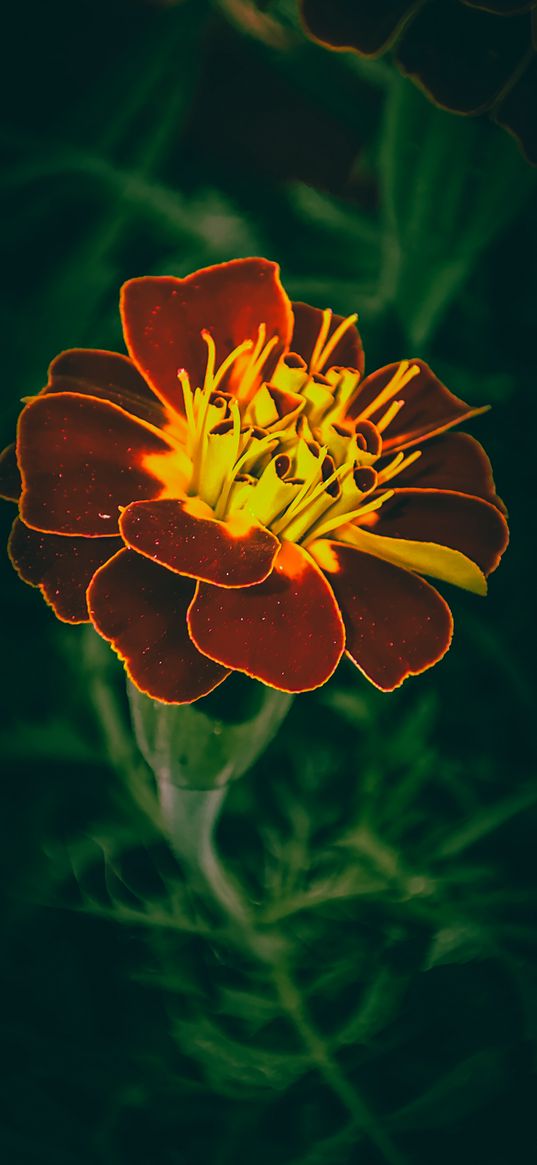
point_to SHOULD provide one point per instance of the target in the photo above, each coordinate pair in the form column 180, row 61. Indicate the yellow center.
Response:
column 280, row 451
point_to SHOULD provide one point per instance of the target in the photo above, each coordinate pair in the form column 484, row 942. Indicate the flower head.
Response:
column 234, row 495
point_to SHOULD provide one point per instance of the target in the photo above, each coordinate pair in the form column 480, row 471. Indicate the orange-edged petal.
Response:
column 462, row 57
column 467, row 524
column 81, row 458
column 454, row 461
column 163, row 319
column 367, row 27
column 61, row 566
column 108, row 375
column 286, row 632
column 429, row 406
column 348, row 352
column 397, row 625
column 141, row 609
column 10, row 478
column 187, row 538
column 516, row 113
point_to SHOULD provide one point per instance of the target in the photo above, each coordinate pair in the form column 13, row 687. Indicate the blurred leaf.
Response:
column 466, row 1087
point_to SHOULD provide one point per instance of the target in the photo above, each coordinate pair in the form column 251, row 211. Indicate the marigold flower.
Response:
column 469, row 56
column 233, row 495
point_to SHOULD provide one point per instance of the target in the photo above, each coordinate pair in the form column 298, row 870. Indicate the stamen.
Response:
column 228, row 482
column 404, row 374
column 258, row 359
column 184, row 380
column 335, row 338
column 323, row 332
column 297, row 510
column 344, row 519
column 211, row 358
column 229, row 360
column 389, row 415
column 399, row 463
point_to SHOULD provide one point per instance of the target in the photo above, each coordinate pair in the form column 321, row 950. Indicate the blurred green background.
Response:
column 378, row 1004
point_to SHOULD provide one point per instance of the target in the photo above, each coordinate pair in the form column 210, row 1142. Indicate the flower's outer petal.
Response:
column 516, row 113
column 469, row 525
column 187, row 538
column 141, row 609
column 429, row 406
column 286, row 632
column 163, row 319
column 462, row 57
column 10, row 478
column 397, row 625
column 348, row 352
column 369, row 27
column 62, row 567
column 108, row 375
column 81, row 458
column 454, row 461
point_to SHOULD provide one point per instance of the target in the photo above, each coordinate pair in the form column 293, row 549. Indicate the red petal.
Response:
column 397, row 625
column 141, row 609
column 368, row 27
column 61, row 566
column 429, row 406
column 163, row 319
column 286, row 632
column 10, row 478
column 107, row 375
column 348, row 352
column 81, row 458
column 455, row 462
column 463, row 523
column 182, row 537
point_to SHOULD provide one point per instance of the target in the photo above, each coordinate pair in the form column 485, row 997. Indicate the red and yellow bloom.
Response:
column 233, row 495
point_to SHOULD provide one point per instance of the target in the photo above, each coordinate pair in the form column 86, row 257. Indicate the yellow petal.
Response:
column 428, row 558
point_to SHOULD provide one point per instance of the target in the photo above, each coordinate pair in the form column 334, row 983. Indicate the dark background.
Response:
column 384, row 845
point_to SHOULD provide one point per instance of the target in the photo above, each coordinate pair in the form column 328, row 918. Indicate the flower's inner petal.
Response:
column 419, row 404
column 474, row 527
column 81, row 459
column 397, row 625
column 61, row 566
column 185, row 536
column 10, row 478
column 141, row 609
column 286, row 632
column 164, row 320
column 308, row 322
column 107, row 375
column 454, row 461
